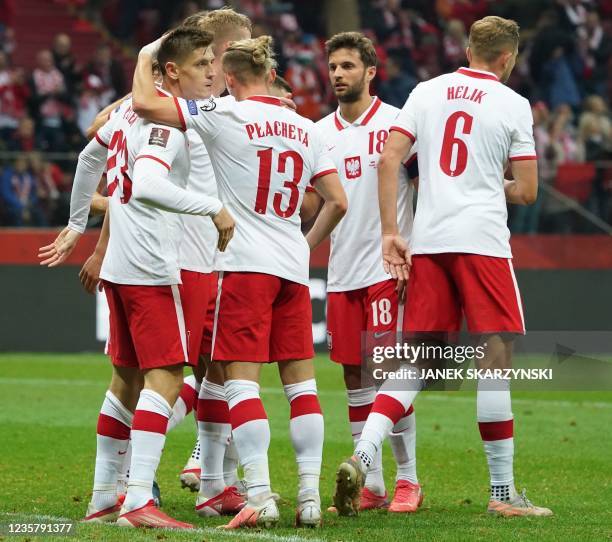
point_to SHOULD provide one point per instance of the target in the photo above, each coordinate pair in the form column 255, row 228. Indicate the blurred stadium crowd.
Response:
column 564, row 69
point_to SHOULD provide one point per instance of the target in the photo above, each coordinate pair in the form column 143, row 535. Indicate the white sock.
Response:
column 124, row 472
column 148, row 438
column 214, row 431
column 251, row 433
column 403, row 444
column 360, row 403
column 185, row 402
column 113, row 434
column 389, row 407
column 495, row 422
column 230, row 464
column 307, row 432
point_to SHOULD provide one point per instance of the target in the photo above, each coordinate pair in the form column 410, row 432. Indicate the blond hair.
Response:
column 492, row 36
column 219, row 22
column 249, row 59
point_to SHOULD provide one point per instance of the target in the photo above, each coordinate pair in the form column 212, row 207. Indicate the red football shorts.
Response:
column 261, row 318
column 372, row 310
column 444, row 287
column 198, row 293
column 147, row 327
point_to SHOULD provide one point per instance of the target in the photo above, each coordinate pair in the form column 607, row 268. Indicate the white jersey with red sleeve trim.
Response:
column 468, row 125
column 199, row 242
column 355, row 259
column 144, row 240
column 264, row 156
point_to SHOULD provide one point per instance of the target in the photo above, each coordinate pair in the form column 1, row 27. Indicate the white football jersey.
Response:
column 144, row 241
column 199, row 242
column 468, row 125
column 355, row 260
column 264, row 156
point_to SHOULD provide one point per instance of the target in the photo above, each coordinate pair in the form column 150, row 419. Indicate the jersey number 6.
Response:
column 263, row 183
column 452, row 142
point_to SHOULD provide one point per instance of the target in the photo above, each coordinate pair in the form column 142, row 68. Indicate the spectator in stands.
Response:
column 90, row 103
column 596, row 48
column 399, row 83
column 18, row 191
column 47, row 193
column 110, row 73
column 454, row 43
column 49, row 100
column 13, row 98
column 22, row 139
column 7, row 41
column 65, row 62
column 307, row 92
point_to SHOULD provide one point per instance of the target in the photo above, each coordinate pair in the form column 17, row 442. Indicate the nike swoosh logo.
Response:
column 378, row 335
column 122, row 453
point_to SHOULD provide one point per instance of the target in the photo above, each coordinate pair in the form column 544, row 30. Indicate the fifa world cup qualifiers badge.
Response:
column 192, row 107
column 159, row 136
column 209, row 105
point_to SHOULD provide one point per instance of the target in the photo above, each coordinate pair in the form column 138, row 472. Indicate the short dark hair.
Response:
column 353, row 40
column 180, row 43
column 282, row 83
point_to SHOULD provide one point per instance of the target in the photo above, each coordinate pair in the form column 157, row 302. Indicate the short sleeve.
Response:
column 323, row 163
column 406, row 121
column 522, row 145
column 203, row 116
column 161, row 144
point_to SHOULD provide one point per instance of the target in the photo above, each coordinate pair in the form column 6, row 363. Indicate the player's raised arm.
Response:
column 145, row 100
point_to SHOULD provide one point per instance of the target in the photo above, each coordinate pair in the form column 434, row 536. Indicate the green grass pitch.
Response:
column 49, row 406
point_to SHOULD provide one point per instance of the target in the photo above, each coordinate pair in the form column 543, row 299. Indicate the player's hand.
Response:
column 396, row 256
column 224, row 222
column 57, row 252
column 288, row 102
column 152, row 48
column 89, row 275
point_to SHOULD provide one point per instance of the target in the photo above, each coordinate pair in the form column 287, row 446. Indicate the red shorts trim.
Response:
column 147, row 327
column 373, row 309
column 262, row 318
column 198, row 293
column 445, row 287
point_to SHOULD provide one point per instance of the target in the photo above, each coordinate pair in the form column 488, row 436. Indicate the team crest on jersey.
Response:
column 209, row 105
column 352, row 167
column 159, row 136
column 192, row 107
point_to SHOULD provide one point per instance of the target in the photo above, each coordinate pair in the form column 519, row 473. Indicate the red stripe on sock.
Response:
column 410, row 410
column 189, row 397
column 213, row 410
column 496, row 430
column 145, row 420
column 113, row 428
column 305, row 404
column 359, row 413
column 247, row 411
column 389, row 407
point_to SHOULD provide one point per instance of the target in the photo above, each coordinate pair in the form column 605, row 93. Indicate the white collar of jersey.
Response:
column 365, row 117
column 478, row 74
